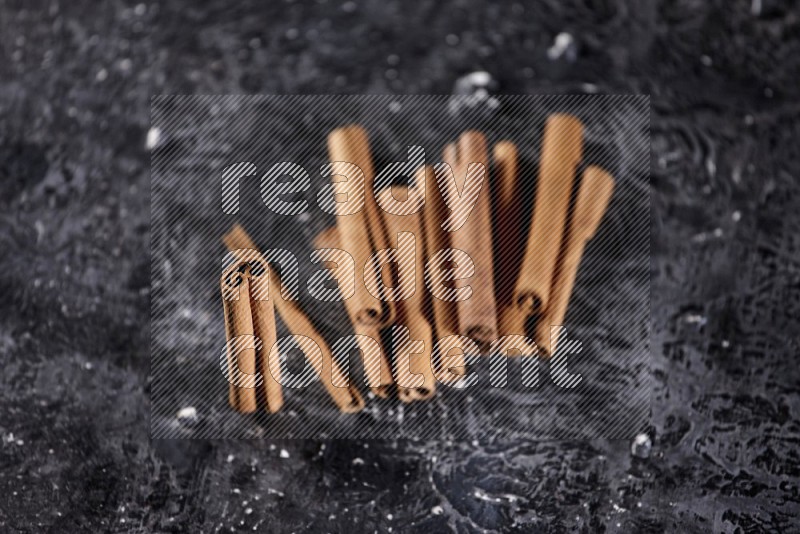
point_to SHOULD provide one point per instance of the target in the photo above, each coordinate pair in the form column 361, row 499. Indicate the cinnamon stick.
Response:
column 506, row 194
column 377, row 372
column 239, row 332
column 443, row 314
column 348, row 399
column 263, row 310
column 410, row 364
column 562, row 148
column 477, row 315
column 594, row 195
column 360, row 233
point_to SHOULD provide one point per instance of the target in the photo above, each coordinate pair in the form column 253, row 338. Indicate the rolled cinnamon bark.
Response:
column 239, row 332
column 442, row 314
column 506, row 193
column 562, row 148
column 379, row 372
column 477, row 315
column 360, row 233
column 263, row 310
column 594, row 194
column 410, row 311
column 348, row 399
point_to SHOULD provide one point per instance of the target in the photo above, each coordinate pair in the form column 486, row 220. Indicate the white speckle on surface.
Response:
column 471, row 90
column 248, row 511
column 711, row 167
column 736, row 216
column 39, row 226
column 284, row 453
column 230, row 458
column 187, row 415
column 693, row 318
column 358, row 461
column 437, row 510
column 479, row 78
column 641, row 446
column 153, row 137
column 483, row 496
column 563, row 46
column 101, row 75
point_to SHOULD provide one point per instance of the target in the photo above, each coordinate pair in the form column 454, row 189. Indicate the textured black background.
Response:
column 75, row 84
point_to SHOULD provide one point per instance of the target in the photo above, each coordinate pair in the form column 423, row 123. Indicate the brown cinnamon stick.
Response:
column 377, row 372
column 477, row 315
column 506, row 194
column 409, row 363
column 443, row 314
column 239, row 332
column 348, row 399
column 263, row 310
column 562, row 148
column 594, row 194
column 360, row 233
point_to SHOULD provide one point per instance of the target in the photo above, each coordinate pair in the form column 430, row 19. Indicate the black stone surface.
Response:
column 75, row 84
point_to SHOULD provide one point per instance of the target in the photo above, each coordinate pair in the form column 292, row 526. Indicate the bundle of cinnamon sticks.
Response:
column 513, row 288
